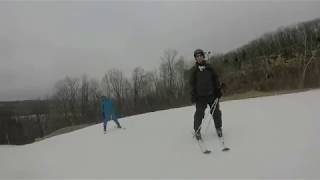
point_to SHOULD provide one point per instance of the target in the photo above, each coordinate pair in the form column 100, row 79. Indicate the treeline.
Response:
column 285, row 59
column 77, row 100
column 23, row 121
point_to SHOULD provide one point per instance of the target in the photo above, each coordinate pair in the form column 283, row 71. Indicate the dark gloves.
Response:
column 218, row 93
column 194, row 99
column 220, row 90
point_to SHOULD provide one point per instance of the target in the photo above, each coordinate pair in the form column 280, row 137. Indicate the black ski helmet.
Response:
column 198, row 51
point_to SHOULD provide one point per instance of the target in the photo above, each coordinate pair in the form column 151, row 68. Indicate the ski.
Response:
column 202, row 146
column 224, row 147
column 121, row 128
column 114, row 129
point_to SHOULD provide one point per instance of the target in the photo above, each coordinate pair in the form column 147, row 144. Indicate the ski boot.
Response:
column 198, row 136
column 219, row 132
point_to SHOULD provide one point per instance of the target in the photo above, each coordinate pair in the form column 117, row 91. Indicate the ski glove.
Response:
column 218, row 93
column 194, row 98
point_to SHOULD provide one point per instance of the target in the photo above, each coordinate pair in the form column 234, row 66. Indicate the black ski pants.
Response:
column 201, row 105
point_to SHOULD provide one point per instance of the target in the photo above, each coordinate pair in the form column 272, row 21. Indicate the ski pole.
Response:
column 211, row 112
column 206, row 116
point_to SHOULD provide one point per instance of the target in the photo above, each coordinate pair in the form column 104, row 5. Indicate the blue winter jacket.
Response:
column 108, row 110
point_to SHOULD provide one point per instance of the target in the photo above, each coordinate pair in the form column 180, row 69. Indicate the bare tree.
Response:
column 40, row 109
column 308, row 56
column 73, row 86
column 127, row 105
column 84, row 92
column 180, row 67
column 138, row 81
column 106, row 86
column 114, row 85
column 66, row 97
column 168, row 74
column 94, row 97
column 151, row 90
column 60, row 98
column 167, row 67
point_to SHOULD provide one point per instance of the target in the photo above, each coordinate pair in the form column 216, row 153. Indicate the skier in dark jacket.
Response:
column 205, row 88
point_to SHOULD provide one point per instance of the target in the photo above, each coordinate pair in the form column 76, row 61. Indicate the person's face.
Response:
column 199, row 58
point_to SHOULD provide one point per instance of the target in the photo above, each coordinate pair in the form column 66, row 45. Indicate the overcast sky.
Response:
column 42, row 42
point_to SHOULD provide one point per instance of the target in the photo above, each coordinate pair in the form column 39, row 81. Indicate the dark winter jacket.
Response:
column 204, row 81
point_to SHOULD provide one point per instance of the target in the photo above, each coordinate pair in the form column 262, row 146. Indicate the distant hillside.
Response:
column 285, row 59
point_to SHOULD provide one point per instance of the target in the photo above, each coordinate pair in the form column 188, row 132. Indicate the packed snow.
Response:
column 269, row 137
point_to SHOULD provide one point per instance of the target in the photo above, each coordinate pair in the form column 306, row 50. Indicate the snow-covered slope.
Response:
column 270, row 137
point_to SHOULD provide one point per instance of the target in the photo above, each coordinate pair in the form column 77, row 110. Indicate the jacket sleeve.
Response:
column 102, row 110
column 192, row 82
column 216, row 83
column 215, row 78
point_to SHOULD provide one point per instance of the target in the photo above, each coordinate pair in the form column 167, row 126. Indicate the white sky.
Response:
column 42, row 42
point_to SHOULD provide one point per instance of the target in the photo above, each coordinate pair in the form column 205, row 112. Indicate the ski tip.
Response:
column 225, row 149
column 206, row 152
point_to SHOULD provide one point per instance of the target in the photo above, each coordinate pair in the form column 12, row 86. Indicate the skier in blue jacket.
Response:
column 109, row 113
